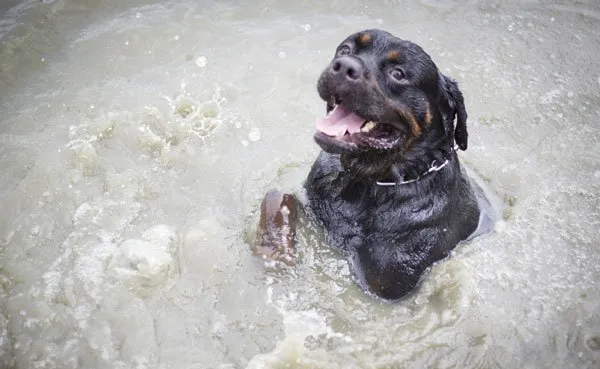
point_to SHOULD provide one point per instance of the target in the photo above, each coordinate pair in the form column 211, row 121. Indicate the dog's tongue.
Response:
column 340, row 121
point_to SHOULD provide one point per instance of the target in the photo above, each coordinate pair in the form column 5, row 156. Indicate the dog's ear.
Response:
column 455, row 107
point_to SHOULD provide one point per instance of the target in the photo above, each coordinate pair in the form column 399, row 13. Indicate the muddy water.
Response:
column 136, row 141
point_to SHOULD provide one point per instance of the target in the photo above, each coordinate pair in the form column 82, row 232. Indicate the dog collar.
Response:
column 432, row 168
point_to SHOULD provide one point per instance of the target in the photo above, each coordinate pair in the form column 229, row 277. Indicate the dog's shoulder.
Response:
column 325, row 164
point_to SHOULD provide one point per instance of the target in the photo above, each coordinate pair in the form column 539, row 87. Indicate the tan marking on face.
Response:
column 427, row 115
column 410, row 119
column 364, row 39
column 393, row 55
column 415, row 129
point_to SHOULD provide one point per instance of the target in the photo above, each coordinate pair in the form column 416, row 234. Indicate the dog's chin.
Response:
column 334, row 145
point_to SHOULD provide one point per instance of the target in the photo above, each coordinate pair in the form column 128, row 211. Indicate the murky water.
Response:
column 137, row 139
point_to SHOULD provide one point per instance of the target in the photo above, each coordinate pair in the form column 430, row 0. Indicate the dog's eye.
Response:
column 344, row 50
column 397, row 74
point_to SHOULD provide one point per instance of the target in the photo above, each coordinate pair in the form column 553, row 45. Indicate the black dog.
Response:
column 388, row 187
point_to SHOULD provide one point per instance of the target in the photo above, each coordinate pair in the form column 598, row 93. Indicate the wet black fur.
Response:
column 393, row 234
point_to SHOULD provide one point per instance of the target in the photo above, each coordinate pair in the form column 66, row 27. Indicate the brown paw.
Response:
column 276, row 233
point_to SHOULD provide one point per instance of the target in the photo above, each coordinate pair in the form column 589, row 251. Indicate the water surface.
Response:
column 137, row 139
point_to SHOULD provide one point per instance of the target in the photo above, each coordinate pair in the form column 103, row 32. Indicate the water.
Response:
column 138, row 138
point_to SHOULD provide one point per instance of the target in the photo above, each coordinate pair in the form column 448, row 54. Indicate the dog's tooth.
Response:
column 368, row 126
column 332, row 110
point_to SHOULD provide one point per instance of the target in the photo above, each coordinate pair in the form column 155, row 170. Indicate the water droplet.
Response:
column 126, row 43
column 201, row 61
column 282, row 55
column 35, row 230
column 307, row 27
column 176, row 37
column 254, row 134
column 244, row 143
column 138, row 15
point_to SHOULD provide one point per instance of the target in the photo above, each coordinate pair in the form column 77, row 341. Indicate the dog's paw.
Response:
column 276, row 233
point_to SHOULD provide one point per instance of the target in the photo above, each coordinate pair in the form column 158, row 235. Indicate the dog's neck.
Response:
column 424, row 158
column 421, row 161
column 434, row 167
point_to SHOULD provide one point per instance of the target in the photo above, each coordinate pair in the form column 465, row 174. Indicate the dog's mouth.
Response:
column 343, row 129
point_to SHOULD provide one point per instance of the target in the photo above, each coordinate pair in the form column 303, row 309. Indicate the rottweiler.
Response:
column 387, row 187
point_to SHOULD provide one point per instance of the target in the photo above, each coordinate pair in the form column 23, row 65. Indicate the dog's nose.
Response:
column 348, row 68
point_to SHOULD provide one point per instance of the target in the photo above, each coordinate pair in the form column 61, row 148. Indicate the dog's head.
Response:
column 385, row 95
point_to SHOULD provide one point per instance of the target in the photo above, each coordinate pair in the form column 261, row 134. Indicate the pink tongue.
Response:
column 340, row 121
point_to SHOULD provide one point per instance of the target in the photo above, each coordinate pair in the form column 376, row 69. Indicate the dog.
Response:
column 387, row 187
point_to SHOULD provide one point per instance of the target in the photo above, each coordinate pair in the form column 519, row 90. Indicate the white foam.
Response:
column 144, row 264
column 298, row 325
